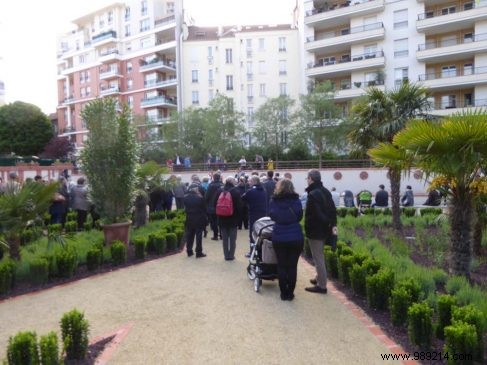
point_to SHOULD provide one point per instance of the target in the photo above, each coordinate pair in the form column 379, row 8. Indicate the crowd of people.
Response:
column 212, row 162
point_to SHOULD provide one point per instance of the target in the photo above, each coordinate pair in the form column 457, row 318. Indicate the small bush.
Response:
column 341, row 212
column 46, row 217
column 66, row 262
column 118, row 253
column 27, row 236
column 7, row 276
column 39, row 271
column 72, row 216
column 51, row 259
column 180, row 236
column 399, row 304
column 171, row 214
column 420, row 327
column 172, row 241
column 49, row 348
column 22, row 349
column 461, row 339
column 345, row 251
column 54, row 228
column 70, row 226
column 409, row 212
column 94, row 258
column 471, row 315
column 372, row 266
column 345, row 262
column 88, row 226
column 358, row 273
column 369, row 211
column 430, row 211
column 140, row 246
column 74, row 331
column 157, row 243
column 386, row 211
column 455, row 283
column 352, row 211
column 445, row 306
column 331, row 262
column 379, row 287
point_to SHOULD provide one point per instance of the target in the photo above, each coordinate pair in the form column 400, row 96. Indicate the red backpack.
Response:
column 224, row 204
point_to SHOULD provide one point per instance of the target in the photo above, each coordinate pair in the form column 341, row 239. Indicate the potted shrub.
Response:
column 110, row 162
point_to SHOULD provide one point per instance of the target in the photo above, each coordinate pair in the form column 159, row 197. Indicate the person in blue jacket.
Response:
column 287, row 236
column 256, row 199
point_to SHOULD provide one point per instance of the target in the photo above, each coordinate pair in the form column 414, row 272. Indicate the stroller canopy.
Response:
column 263, row 228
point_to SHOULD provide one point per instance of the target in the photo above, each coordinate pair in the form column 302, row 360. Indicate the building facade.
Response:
column 129, row 51
column 246, row 63
column 441, row 44
column 2, row 93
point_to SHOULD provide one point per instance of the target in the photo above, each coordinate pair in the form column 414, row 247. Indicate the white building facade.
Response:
column 246, row 63
column 359, row 43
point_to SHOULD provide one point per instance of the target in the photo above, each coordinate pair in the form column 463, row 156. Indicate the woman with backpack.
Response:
column 228, row 210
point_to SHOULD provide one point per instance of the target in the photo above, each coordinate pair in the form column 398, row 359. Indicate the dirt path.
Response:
column 196, row 311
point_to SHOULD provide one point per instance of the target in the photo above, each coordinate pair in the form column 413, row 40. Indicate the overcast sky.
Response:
column 29, row 29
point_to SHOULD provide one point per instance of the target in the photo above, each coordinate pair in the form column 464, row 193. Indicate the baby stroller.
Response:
column 263, row 260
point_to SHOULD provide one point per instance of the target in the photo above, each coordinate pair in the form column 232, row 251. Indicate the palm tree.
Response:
column 454, row 148
column 378, row 116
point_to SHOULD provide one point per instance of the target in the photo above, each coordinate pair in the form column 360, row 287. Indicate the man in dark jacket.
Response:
column 242, row 188
column 257, row 201
column 319, row 224
column 195, row 208
column 228, row 225
column 381, row 197
column 211, row 196
column 269, row 185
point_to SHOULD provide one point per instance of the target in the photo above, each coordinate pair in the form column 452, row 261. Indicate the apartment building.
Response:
column 127, row 50
column 359, row 43
column 246, row 63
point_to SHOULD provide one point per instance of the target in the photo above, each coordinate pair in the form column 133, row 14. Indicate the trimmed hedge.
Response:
column 420, row 327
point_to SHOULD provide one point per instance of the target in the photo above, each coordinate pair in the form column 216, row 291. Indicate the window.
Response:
column 144, row 25
column 449, row 71
column 88, row 91
column 248, row 42
column 261, row 89
column 101, row 21
column 468, row 69
column 229, row 82
column 211, row 95
column 170, row 7
column 127, row 13
column 195, row 97
column 448, row 10
column 282, row 67
column 127, row 30
column 249, row 67
column 261, row 44
column 370, row 50
column 448, row 101
column 345, row 84
column 401, row 48
column 282, row 89
column 130, row 83
column 110, row 17
column 81, row 58
column 370, row 22
column 371, row 78
column 250, row 90
column 210, row 77
column 130, row 101
column 468, row 38
column 81, row 78
column 146, row 42
column 228, row 55
column 282, row 44
column 143, row 7
column 468, row 6
column 467, row 99
column 400, row 75
column 262, row 67
column 401, row 19
column 194, row 76
column 82, row 92
column 87, row 76
column 129, row 67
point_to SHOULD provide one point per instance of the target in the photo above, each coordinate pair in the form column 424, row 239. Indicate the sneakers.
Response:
column 229, row 258
column 316, row 289
column 287, row 296
column 200, row 255
column 314, row 282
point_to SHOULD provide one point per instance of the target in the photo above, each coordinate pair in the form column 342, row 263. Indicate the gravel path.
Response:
column 197, row 311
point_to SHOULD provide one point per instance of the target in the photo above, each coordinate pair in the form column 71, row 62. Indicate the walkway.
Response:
column 202, row 311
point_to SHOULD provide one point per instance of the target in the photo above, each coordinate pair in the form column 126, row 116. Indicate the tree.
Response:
column 453, row 149
column 378, row 116
column 319, row 119
column 24, row 129
column 58, row 148
column 273, row 121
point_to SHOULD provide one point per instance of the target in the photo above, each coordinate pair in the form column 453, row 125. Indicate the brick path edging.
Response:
column 109, row 350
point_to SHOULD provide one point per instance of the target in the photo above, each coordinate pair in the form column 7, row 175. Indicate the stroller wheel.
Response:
column 257, row 284
column 251, row 272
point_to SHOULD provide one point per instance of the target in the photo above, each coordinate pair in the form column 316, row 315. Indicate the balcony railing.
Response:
column 109, row 52
column 156, row 63
column 460, row 103
column 159, row 83
column 110, row 90
column 110, row 72
column 68, row 129
column 105, row 35
column 328, row 8
column 158, row 100
column 458, row 9
column 360, row 29
column 354, row 58
column 452, row 73
column 452, row 42
column 164, row 21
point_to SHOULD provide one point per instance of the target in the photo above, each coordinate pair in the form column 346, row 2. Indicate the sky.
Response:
column 29, row 30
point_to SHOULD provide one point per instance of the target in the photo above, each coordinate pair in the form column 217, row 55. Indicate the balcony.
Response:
column 346, row 65
column 109, row 56
column 171, row 82
column 250, row 99
column 110, row 74
column 454, row 79
column 158, row 101
column 155, row 121
column 457, row 106
column 452, row 49
column 70, row 100
column 462, row 17
column 165, row 22
column 157, row 65
column 332, row 15
column 110, row 36
column 342, row 40
column 110, row 91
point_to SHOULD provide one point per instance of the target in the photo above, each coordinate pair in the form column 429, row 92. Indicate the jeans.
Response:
column 287, row 264
column 213, row 224
column 191, row 233
column 229, row 235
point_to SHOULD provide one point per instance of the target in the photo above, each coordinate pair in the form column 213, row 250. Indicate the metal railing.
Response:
column 452, row 42
column 336, row 6
column 102, row 36
column 458, row 9
column 342, row 32
column 461, row 103
column 157, row 63
column 158, row 100
column 443, row 74
column 353, row 58
column 163, row 21
column 159, row 83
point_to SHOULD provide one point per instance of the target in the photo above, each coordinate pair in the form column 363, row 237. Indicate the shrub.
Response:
column 66, row 262
column 94, row 258
column 471, row 315
column 51, row 260
column 431, row 211
column 379, row 287
column 156, row 243
column 399, row 304
column 369, row 211
column 54, row 228
column 27, row 236
column 180, row 235
column 345, row 251
column 461, row 339
column 74, row 331
column 171, row 240
column 46, row 217
column 420, row 328
column 38, row 271
column 455, row 283
column 345, row 262
column 70, row 226
column 413, row 288
column 386, row 211
column 341, row 212
column 22, row 349
column 352, row 211
column 171, row 214
column 409, row 212
column 331, row 262
column 372, row 266
column 140, row 246
column 87, row 226
column 7, row 276
column 49, row 349
column 445, row 306
column 358, row 273
column 118, row 253
column 72, row 216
